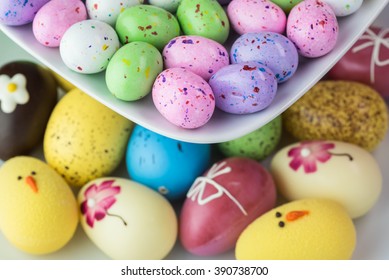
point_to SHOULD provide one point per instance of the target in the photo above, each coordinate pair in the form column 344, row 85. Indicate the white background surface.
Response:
column 372, row 229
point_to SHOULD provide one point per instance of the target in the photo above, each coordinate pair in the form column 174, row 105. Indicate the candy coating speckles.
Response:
column 256, row 16
column 344, row 7
column 271, row 49
column 312, row 26
column 244, row 88
column 183, row 98
column 18, row 12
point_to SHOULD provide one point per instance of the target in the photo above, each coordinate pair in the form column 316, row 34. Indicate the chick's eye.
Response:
column 19, row 177
column 33, row 173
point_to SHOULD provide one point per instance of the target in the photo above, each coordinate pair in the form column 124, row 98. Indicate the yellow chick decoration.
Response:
column 308, row 229
column 38, row 210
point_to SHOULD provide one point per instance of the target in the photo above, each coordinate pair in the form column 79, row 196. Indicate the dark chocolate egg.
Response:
column 28, row 94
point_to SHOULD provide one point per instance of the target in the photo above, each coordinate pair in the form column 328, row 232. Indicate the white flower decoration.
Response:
column 12, row 92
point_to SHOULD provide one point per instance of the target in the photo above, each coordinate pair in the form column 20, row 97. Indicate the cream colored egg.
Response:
column 84, row 139
column 38, row 210
column 309, row 229
column 336, row 170
column 127, row 220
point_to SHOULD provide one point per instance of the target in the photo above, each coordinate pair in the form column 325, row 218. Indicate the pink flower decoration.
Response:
column 308, row 153
column 98, row 199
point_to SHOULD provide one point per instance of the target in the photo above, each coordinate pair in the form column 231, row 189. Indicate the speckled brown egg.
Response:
column 339, row 110
column 84, row 139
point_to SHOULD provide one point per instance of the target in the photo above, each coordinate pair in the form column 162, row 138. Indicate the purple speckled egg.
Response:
column 18, row 12
column 256, row 16
column 271, row 49
column 183, row 98
column 200, row 55
column 244, row 88
column 312, row 26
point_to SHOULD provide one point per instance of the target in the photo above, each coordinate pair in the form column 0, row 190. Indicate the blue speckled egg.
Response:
column 17, row 12
column 166, row 165
column 271, row 49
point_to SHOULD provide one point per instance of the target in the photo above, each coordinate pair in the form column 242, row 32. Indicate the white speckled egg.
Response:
column 344, row 7
column 87, row 46
column 169, row 5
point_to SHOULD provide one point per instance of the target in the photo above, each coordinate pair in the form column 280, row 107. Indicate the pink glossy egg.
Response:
column 219, row 205
column 313, row 28
column 247, row 16
column 183, row 98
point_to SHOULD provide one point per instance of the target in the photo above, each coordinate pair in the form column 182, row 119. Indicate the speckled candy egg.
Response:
column 271, row 49
column 312, row 26
column 87, row 46
column 335, row 170
column 248, row 16
column 148, row 24
column 183, row 98
column 166, row 165
column 169, row 5
column 54, row 18
column 17, row 12
column 244, row 88
column 127, row 220
column 308, row 229
column 338, row 110
column 222, row 202
column 108, row 11
column 256, row 145
column 132, row 70
column 200, row 55
column 286, row 5
column 344, row 7
column 205, row 18
column 84, row 139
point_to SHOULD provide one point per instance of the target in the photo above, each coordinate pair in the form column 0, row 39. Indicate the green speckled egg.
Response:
column 256, row 145
column 204, row 18
column 286, row 5
column 147, row 23
column 132, row 70
column 339, row 110
column 84, row 139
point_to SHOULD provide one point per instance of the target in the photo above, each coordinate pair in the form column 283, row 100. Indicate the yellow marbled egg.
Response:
column 84, row 139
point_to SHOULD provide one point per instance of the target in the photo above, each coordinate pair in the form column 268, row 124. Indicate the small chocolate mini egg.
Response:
column 87, row 46
column 312, row 26
column 308, row 229
column 169, row 5
column 28, row 94
column 38, row 210
column 247, row 16
column 271, row 49
column 200, row 55
column 126, row 220
column 339, row 110
column 220, row 204
column 17, row 12
column 84, row 139
column 148, row 24
column 108, row 11
column 335, row 170
column 205, row 18
column 244, row 88
column 256, row 145
column 344, row 7
column 166, row 165
column 286, row 5
column 132, row 71
column 183, row 98
column 54, row 18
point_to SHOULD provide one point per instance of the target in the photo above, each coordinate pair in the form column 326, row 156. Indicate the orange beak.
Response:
column 31, row 182
column 295, row 215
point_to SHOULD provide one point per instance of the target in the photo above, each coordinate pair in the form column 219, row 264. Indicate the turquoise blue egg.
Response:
column 166, row 165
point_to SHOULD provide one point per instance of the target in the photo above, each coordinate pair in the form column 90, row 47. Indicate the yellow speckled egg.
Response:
column 38, row 210
column 309, row 229
column 335, row 170
column 84, row 139
column 339, row 110
column 127, row 220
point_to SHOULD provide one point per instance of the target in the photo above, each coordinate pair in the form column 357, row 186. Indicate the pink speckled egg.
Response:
column 255, row 16
column 54, row 18
column 198, row 54
column 221, row 203
column 313, row 28
column 183, row 98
